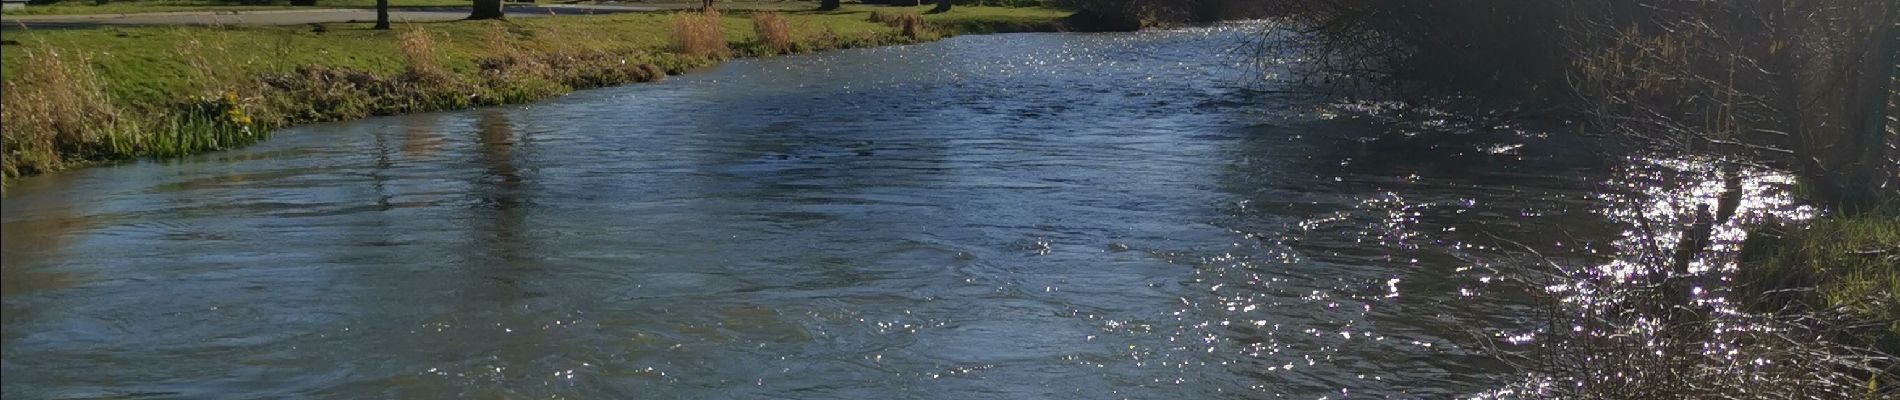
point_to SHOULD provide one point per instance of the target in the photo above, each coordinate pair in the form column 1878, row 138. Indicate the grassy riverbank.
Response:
column 74, row 97
column 122, row 7
column 1846, row 265
column 157, row 6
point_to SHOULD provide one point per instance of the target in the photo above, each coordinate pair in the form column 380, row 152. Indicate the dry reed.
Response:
column 419, row 53
column 698, row 35
column 912, row 26
column 773, row 31
column 58, row 106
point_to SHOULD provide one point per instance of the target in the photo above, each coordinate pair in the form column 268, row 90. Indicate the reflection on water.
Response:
column 50, row 231
column 420, row 140
column 1653, row 316
column 1011, row 216
column 1658, row 199
column 500, row 186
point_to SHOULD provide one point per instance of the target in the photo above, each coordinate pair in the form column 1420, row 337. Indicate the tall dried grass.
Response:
column 420, row 55
column 57, row 107
column 505, row 56
column 209, row 63
column 58, row 112
column 912, row 26
column 698, row 34
column 773, row 31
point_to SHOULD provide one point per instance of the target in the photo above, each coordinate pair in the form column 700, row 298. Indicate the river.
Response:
column 1130, row 215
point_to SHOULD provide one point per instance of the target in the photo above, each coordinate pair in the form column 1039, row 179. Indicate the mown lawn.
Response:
column 148, row 65
column 125, row 92
column 75, row 7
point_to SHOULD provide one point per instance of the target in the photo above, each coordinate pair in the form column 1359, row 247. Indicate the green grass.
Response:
column 1845, row 263
column 158, row 6
column 284, row 75
column 80, row 7
column 143, row 66
column 147, row 66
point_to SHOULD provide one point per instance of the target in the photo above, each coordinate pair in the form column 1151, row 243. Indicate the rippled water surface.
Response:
column 1008, row 216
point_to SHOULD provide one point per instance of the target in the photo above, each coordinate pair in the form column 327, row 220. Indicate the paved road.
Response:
column 298, row 17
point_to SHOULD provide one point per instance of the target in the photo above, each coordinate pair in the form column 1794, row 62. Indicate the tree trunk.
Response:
column 486, row 9
column 1881, row 68
column 827, row 5
column 382, row 15
column 942, row 6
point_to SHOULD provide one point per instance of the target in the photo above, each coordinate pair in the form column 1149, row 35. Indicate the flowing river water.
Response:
column 1009, row 216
